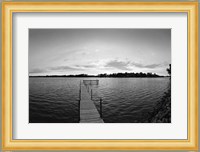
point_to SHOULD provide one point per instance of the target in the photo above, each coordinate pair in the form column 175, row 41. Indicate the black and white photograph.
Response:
column 99, row 75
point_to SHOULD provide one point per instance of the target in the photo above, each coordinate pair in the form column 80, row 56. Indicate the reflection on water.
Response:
column 124, row 99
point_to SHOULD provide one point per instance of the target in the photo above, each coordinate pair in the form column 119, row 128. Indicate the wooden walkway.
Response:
column 88, row 111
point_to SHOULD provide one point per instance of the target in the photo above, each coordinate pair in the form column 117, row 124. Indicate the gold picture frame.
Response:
column 191, row 8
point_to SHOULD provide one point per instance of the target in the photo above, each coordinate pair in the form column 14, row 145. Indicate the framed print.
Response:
column 100, row 76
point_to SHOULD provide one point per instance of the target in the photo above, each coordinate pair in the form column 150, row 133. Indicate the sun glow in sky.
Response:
column 95, row 51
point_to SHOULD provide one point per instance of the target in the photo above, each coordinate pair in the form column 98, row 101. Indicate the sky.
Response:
column 95, row 51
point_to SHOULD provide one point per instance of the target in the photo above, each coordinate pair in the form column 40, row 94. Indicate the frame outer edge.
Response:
column 9, row 144
column 3, row 77
column 6, row 77
column 193, row 77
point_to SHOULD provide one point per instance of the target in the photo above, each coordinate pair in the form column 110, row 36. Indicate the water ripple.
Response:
column 124, row 99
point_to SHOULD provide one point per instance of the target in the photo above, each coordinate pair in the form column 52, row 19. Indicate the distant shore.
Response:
column 113, row 75
column 91, row 77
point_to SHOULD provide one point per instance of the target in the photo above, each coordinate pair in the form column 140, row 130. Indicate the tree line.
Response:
column 126, row 74
column 115, row 75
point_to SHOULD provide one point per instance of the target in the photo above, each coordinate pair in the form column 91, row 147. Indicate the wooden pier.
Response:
column 88, row 110
column 91, row 82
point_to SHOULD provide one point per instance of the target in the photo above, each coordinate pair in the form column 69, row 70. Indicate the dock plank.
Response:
column 88, row 110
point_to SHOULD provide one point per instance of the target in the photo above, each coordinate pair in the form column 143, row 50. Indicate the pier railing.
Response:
column 91, row 82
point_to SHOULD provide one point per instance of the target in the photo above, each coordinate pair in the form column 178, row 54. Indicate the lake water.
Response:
column 125, row 100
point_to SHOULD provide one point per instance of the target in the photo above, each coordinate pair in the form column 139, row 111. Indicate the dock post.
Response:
column 79, row 104
column 79, row 110
column 91, row 94
column 80, row 91
column 101, row 107
column 79, row 94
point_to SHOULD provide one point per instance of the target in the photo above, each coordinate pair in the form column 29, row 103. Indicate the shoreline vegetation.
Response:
column 162, row 110
column 113, row 75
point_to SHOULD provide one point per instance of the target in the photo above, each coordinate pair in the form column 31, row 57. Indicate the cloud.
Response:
column 125, row 65
column 67, row 55
column 37, row 71
column 86, row 66
column 149, row 66
column 128, row 65
column 55, row 69
column 122, row 65
column 64, row 68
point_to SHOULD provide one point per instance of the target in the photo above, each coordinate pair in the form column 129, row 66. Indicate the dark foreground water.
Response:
column 125, row 100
